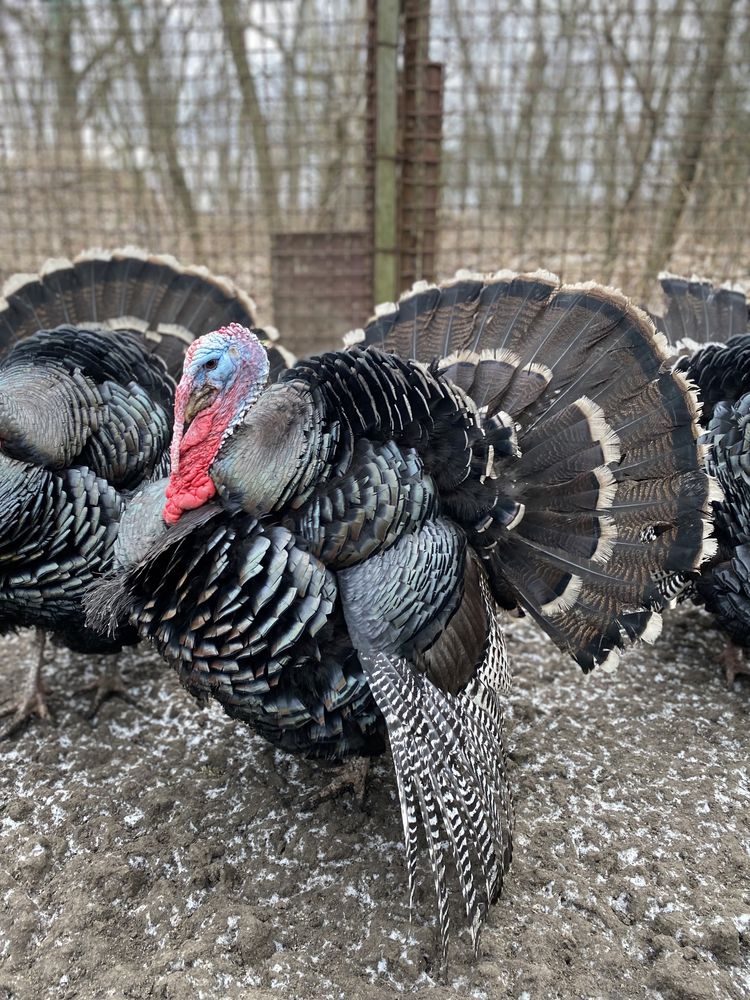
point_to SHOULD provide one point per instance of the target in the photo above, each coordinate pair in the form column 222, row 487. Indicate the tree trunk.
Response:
column 67, row 125
column 160, row 113
column 234, row 32
column 718, row 24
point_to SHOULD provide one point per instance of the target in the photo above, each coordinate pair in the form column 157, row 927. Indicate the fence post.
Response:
column 385, row 269
column 420, row 124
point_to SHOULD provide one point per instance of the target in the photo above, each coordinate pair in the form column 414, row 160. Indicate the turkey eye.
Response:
column 210, row 365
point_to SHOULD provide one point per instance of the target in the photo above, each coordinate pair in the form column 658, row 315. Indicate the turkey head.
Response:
column 225, row 372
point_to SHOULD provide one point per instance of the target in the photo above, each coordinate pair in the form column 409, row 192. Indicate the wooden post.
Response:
column 419, row 194
column 385, row 268
column 420, row 126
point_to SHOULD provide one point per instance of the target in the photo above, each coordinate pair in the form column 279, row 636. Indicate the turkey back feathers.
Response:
column 251, row 618
column 696, row 313
column 610, row 488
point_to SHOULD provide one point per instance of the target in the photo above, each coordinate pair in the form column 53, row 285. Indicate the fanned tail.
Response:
column 609, row 499
column 168, row 303
column 707, row 327
column 697, row 312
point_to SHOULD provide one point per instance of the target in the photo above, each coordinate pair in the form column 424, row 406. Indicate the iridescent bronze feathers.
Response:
column 708, row 328
column 495, row 441
column 86, row 417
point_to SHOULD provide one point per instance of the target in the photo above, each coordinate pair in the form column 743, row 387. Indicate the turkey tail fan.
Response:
column 697, row 312
column 128, row 289
column 708, row 327
column 612, row 497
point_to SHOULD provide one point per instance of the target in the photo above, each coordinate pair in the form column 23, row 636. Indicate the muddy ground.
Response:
column 167, row 852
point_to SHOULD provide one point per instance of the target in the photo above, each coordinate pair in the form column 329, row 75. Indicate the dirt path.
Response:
column 166, row 852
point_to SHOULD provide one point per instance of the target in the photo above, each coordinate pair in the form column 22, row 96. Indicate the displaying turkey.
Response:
column 89, row 351
column 334, row 547
column 717, row 318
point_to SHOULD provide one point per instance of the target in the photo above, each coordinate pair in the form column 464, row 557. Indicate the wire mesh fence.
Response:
column 601, row 140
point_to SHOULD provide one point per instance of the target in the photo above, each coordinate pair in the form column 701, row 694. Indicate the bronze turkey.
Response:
column 708, row 325
column 90, row 349
column 335, row 543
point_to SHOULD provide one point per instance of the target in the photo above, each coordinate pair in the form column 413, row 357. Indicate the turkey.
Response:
column 89, row 351
column 709, row 326
column 334, row 547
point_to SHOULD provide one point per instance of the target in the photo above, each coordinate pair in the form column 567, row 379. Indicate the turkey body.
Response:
column 298, row 566
column 338, row 542
column 85, row 418
column 709, row 324
column 86, row 411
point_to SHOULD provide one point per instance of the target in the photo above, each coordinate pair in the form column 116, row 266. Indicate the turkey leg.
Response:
column 351, row 776
column 32, row 703
column 108, row 685
column 734, row 662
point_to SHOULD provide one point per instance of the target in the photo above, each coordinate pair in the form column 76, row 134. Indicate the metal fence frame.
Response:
column 329, row 154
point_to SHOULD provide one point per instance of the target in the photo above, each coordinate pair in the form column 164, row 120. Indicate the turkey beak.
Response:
column 199, row 400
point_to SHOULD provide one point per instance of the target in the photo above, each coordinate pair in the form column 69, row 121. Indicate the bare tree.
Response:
column 234, row 32
column 716, row 24
column 653, row 80
column 159, row 103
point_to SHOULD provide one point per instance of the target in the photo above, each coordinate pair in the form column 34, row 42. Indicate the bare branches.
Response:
column 159, row 108
column 594, row 137
column 716, row 25
column 234, row 34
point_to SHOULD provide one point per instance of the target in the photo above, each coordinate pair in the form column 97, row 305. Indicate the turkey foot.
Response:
column 108, row 685
column 351, row 776
column 734, row 662
column 32, row 703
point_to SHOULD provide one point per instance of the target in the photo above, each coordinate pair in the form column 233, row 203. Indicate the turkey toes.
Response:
column 351, row 776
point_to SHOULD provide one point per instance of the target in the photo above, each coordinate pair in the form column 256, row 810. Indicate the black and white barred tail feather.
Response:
column 129, row 289
column 611, row 497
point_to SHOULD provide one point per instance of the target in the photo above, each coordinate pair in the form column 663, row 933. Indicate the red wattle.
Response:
column 190, row 484
column 186, row 494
